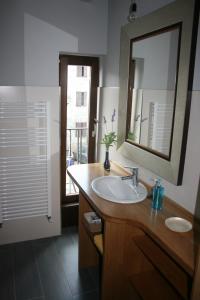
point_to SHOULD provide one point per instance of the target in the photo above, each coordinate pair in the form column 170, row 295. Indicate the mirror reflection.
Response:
column 152, row 90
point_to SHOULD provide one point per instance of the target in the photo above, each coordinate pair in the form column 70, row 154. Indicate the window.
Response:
column 81, row 71
column 81, row 98
column 82, row 126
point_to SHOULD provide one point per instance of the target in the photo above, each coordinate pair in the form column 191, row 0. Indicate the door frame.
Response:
column 64, row 61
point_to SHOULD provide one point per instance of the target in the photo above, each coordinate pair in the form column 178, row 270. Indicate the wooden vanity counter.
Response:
column 180, row 247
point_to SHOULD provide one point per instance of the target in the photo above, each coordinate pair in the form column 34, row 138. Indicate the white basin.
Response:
column 113, row 188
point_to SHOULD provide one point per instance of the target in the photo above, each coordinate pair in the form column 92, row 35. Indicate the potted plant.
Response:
column 109, row 139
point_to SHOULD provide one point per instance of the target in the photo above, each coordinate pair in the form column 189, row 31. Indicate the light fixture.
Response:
column 132, row 11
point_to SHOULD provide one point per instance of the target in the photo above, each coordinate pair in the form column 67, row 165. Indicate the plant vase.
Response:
column 107, row 161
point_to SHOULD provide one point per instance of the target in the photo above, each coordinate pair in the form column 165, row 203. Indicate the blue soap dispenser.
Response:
column 158, row 194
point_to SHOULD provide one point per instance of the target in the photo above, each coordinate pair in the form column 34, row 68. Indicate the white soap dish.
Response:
column 178, row 224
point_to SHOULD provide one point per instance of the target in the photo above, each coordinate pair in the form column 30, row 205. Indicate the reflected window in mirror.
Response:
column 153, row 70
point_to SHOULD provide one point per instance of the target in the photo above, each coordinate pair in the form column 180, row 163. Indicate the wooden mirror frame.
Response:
column 131, row 87
column 187, row 14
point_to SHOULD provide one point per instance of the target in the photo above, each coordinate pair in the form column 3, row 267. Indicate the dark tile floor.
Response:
column 46, row 269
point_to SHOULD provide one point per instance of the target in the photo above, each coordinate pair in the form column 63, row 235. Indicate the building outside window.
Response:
column 78, row 100
column 81, row 98
column 81, row 71
column 83, row 129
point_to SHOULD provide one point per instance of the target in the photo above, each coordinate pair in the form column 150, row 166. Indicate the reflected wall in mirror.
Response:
column 152, row 89
column 154, row 104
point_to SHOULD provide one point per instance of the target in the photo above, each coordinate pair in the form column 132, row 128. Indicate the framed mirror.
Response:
column 156, row 74
column 151, row 103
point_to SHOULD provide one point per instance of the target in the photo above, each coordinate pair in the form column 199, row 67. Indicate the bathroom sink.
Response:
column 113, row 188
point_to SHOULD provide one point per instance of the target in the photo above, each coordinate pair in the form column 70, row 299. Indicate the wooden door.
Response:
column 65, row 62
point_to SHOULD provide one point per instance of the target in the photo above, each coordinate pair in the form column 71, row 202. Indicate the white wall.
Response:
column 159, row 54
column 117, row 16
column 33, row 33
column 40, row 226
column 186, row 194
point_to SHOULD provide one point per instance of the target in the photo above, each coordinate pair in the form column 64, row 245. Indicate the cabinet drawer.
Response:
column 175, row 275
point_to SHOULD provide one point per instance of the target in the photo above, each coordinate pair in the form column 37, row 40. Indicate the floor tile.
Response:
column 53, row 278
column 40, row 298
column 46, row 269
column 88, row 296
column 68, row 254
column 94, row 273
column 80, row 282
column 71, row 232
column 7, row 290
column 27, row 279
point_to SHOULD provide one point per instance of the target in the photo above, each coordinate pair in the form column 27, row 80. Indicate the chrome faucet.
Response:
column 134, row 175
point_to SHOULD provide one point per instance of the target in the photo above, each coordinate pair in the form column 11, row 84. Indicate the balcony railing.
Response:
column 77, row 145
column 77, row 149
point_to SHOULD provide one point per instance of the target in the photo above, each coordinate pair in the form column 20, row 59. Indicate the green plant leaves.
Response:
column 109, row 139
